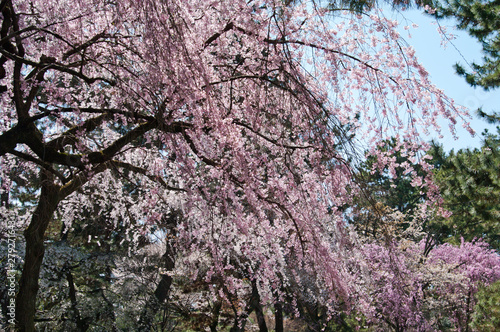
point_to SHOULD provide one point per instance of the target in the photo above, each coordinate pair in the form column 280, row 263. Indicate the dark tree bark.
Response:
column 154, row 303
column 255, row 303
column 34, row 235
column 162, row 291
column 81, row 324
column 215, row 316
column 278, row 317
column 237, row 327
column 50, row 196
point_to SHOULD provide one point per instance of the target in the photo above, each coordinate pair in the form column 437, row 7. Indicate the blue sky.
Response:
column 439, row 63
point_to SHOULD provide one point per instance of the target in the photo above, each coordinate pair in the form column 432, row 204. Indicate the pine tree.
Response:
column 481, row 19
column 487, row 311
column 470, row 186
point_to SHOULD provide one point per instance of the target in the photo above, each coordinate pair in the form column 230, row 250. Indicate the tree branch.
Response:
column 144, row 172
column 56, row 66
column 45, row 165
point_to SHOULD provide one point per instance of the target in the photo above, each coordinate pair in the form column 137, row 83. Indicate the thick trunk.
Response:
column 255, row 303
column 154, row 303
column 278, row 317
column 34, row 235
column 215, row 316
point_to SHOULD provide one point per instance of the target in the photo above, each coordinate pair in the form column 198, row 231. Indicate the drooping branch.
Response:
column 132, row 115
column 140, row 170
column 162, row 290
column 193, row 147
column 81, row 178
column 45, row 165
column 271, row 140
column 49, row 153
column 55, row 66
column 70, row 136
column 283, row 41
column 85, row 45
column 216, row 35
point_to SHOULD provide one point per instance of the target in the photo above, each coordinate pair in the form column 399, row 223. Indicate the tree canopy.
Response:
column 470, row 189
column 229, row 132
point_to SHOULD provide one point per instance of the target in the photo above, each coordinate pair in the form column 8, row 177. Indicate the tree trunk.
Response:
column 34, row 235
column 255, row 303
column 81, row 324
column 215, row 316
column 239, row 323
column 278, row 317
column 152, row 306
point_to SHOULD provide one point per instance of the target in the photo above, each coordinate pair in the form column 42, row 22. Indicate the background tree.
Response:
column 433, row 292
column 470, row 189
column 487, row 313
column 480, row 20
